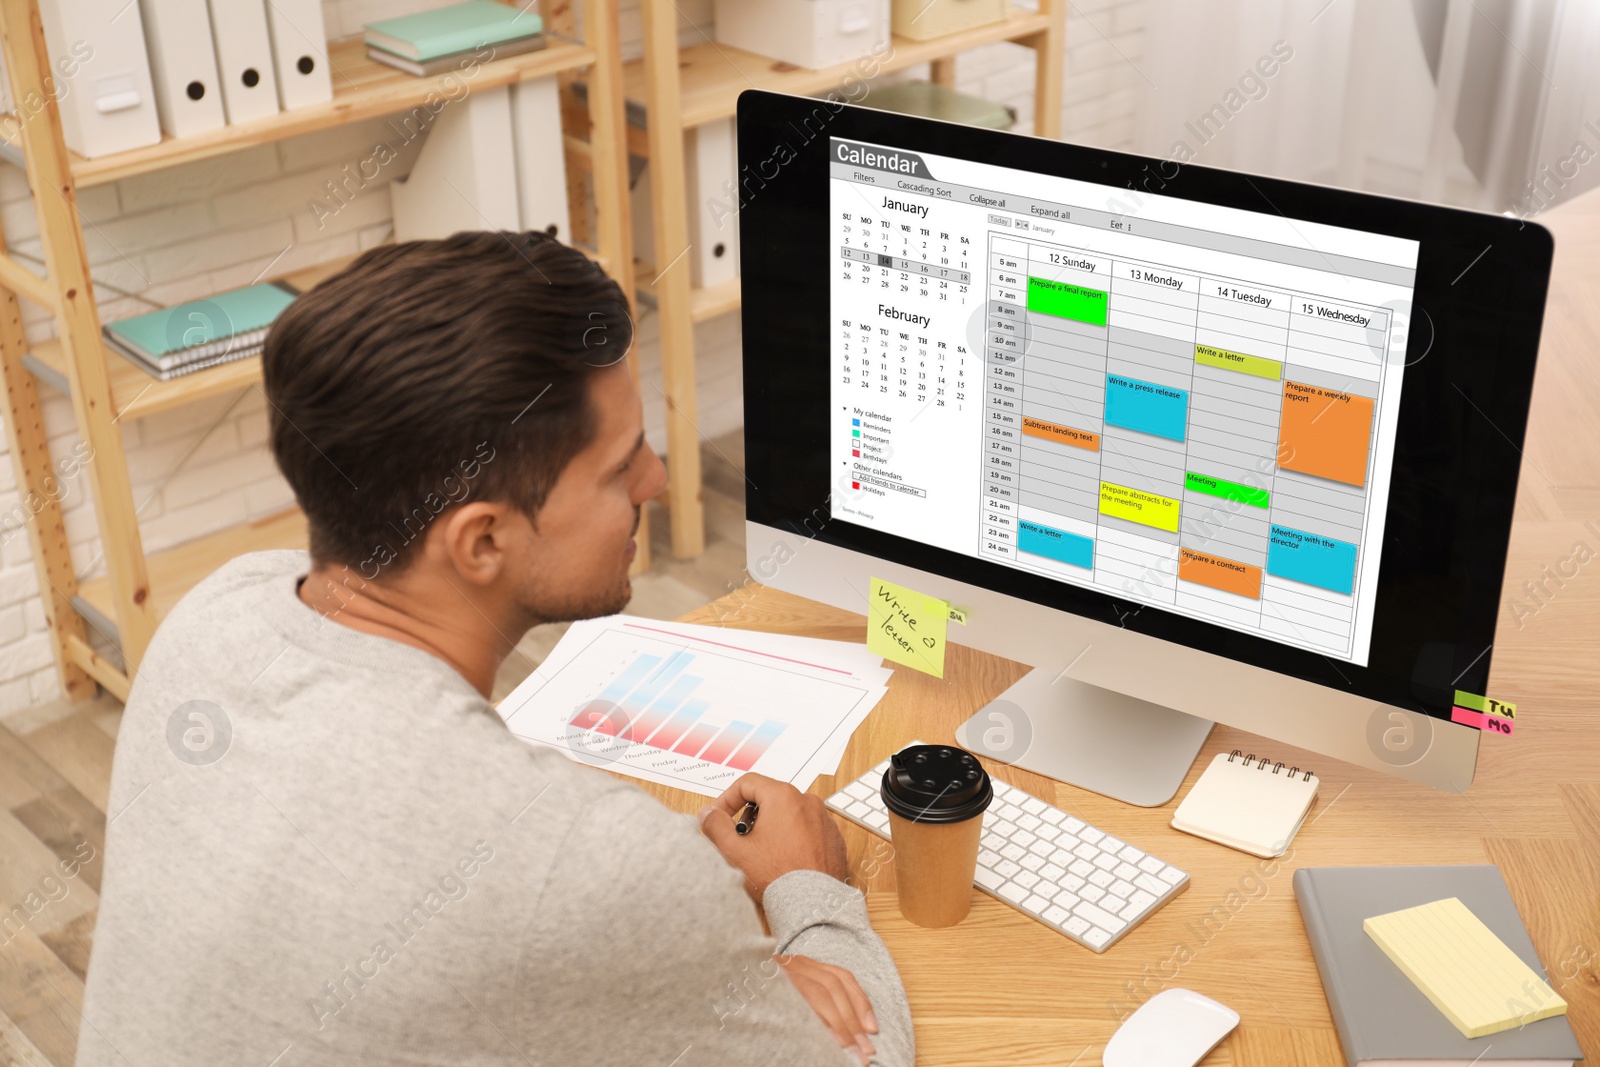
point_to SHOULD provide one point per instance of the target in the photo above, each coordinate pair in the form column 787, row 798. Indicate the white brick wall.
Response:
column 186, row 232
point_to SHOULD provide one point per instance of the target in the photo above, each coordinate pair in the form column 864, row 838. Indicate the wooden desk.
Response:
column 1002, row 989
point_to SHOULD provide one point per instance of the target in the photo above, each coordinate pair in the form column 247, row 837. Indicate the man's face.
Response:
column 574, row 563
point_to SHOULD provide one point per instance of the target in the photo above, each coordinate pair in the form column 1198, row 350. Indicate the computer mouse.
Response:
column 1174, row 1028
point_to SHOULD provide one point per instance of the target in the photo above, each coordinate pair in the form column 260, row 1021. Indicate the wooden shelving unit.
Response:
column 362, row 89
column 684, row 88
column 128, row 601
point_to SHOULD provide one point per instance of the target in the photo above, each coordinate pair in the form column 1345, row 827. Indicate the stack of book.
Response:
column 445, row 39
column 202, row 333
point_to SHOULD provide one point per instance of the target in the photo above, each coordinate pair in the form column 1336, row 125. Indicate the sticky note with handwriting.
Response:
column 907, row 627
column 1486, row 705
column 1484, row 721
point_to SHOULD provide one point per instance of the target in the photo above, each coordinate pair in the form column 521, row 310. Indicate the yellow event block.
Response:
column 1260, row 366
column 1481, row 985
column 907, row 627
column 1136, row 505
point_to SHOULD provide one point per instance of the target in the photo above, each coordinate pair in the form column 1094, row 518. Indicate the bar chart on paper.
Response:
column 652, row 702
column 688, row 714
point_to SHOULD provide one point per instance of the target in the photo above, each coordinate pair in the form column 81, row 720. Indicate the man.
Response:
column 324, row 847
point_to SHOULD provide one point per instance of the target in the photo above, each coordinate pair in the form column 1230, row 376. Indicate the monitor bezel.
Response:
column 1459, row 409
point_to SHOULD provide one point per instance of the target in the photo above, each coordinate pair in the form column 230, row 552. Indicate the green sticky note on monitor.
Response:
column 1487, row 705
column 907, row 627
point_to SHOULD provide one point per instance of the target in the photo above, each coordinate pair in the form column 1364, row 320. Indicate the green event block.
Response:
column 1067, row 301
column 1244, row 494
column 1261, row 367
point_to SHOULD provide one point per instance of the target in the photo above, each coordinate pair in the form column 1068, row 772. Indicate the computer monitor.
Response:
column 1195, row 445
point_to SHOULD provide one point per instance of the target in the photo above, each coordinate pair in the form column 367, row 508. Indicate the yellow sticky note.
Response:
column 1505, row 710
column 907, row 627
column 1479, row 984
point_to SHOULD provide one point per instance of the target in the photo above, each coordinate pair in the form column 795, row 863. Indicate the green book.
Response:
column 201, row 332
column 446, row 30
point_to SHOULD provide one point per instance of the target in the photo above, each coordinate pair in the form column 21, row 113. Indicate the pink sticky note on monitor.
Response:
column 1494, row 724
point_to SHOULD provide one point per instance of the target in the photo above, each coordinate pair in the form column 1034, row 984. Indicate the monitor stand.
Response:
column 1128, row 749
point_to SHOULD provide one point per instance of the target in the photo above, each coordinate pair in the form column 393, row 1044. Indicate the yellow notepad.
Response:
column 1481, row 985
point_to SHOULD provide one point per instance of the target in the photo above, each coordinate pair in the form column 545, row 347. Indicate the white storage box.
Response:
column 808, row 33
column 922, row 20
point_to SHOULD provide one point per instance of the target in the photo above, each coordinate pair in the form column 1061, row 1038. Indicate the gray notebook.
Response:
column 1381, row 1016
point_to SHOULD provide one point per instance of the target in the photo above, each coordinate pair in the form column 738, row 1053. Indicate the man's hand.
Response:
column 836, row 997
column 793, row 832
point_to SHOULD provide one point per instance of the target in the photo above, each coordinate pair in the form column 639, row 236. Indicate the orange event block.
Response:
column 1066, row 435
column 1325, row 433
column 1228, row 575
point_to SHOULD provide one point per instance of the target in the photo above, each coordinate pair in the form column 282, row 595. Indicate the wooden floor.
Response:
column 55, row 771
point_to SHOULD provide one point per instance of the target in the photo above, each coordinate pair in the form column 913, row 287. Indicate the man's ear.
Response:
column 476, row 540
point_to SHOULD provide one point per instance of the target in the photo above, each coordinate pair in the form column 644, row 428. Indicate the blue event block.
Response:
column 1162, row 410
column 1312, row 559
column 1055, row 544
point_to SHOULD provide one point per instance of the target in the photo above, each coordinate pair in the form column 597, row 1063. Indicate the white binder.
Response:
column 110, row 106
column 459, row 179
column 183, row 66
column 541, row 157
column 711, row 164
column 299, row 52
column 244, row 59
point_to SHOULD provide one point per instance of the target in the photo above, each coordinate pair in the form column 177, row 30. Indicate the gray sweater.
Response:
column 324, row 847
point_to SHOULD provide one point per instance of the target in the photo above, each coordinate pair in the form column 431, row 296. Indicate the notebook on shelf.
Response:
column 180, row 340
column 1383, row 1019
column 449, row 30
column 1255, row 806
column 454, row 60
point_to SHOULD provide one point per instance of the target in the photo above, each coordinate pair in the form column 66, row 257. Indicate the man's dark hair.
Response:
column 429, row 373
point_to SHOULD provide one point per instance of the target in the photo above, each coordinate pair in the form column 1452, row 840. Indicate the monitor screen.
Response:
column 1190, row 406
column 1271, row 421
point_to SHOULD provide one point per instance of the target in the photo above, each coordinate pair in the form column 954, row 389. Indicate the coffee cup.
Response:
column 936, row 796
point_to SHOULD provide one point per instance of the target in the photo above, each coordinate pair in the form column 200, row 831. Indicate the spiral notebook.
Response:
column 1253, row 805
column 201, row 333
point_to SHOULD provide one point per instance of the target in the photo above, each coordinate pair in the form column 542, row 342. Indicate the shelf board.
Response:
column 712, row 75
column 175, row 571
column 704, row 302
column 362, row 89
column 135, row 393
column 711, row 301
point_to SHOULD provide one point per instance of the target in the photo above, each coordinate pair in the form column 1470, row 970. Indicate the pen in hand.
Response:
column 747, row 818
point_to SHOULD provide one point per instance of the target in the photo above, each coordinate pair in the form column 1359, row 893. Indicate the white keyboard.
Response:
column 1046, row 864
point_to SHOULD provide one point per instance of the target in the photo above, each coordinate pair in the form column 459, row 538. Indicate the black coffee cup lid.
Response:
column 936, row 784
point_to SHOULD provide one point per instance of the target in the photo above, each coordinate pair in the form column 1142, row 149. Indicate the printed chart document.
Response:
column 695, row 707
